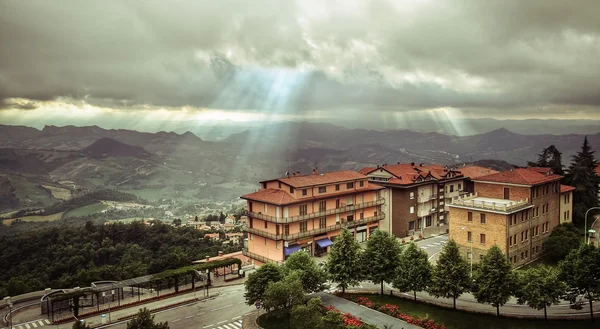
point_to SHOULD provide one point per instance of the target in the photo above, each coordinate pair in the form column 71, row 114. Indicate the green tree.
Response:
column 583, row 177
column 80, row 325
column 307, row 316
column 450, row 276
column 494, row 281
column 550, row 157
column 145, row 320
column 381, row 257
column 284, row 294
column 562, row 239
column 311, row 275
column 344, row 261
column 258, row 281
column 580, row 270
column 414, row 270
column 177, row 221
column 539, row 287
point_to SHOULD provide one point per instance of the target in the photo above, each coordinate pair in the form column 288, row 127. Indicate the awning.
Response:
column 289, row 250
column 324, row 243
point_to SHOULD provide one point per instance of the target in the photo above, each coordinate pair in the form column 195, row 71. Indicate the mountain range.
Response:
column 185, row 167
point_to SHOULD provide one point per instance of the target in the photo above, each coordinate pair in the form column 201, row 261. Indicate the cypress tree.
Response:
column 583, row 177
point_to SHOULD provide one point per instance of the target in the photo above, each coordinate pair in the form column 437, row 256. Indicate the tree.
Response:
column 307, row 316
column 550, row 157
column 450, row 276
column 414, row 270
column 493, row 281
column 80, row 325
column 311, row 275
column 583, row 177
column 177, row 221
column 284, row 294
column 381, row 258
column 539, row 287
column 344, row 261
column 257, row 282
column 562, row 239
column 145, row 320
column 580, row 270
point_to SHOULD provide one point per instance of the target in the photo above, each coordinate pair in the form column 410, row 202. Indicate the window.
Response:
column 451, row 188
column 322, row 222
column 303, row 226
column 522, row 255
column 264, row 185
column 337, row 203
column 427, row 221
column 522, row 236
column 470, row 216
column 510, row 241
column 482, row 218
column 526, row 253
column 265, row 224
column 304, row 192
column 411, row 225
column 537, row 230
column 303, row 209
column 350, row 218
column 527, row 235
column 337, row 187
column 469, row 237
column 279, row 184
column 350, row 185
column 322, row 205
column 286, row 229
column 482, row 238
column 362, row 215
column 322, row 189
column 412, row 195
column 506, row 193
column 412, row 209
column 291, row 189
column 361, row 183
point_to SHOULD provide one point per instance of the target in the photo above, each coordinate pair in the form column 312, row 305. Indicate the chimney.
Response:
column 316, row 171
column 287, row 173
column 420, row 165
column 207, row 258
column 220, row 253
column 412, row 164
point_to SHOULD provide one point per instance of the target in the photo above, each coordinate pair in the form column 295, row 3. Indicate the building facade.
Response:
column 566, row 204
column 473, row 172
column 515, row 210
column 416, row 197
column 307, row 213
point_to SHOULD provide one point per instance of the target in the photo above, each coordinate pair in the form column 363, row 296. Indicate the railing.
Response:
column 469, row 201
column 257, row 257
column 294, row 236
column 339, row 210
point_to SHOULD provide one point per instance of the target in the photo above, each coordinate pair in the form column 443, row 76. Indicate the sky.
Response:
column 135, row 62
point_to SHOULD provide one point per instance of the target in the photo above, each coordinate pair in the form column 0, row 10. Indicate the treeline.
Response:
column 69, row 257
column 81, row 201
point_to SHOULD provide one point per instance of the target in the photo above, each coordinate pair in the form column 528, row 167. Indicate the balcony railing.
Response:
column 426, row 198
column 470, row 200
column 257, row 257
column 339, row 210
column 294, row 236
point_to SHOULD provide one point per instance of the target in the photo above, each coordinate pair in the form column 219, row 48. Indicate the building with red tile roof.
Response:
column 566, row 203
column 514, row 209
column 307, row 212
column 476, row 171
column 416, row 196
column 541, row 170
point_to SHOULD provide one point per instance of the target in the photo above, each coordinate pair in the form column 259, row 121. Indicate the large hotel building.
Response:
column 308, row 211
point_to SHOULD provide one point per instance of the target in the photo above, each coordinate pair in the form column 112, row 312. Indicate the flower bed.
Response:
column 349, row 320
column 394, row 310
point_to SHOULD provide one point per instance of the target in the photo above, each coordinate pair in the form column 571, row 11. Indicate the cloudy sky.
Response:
column 201, row 60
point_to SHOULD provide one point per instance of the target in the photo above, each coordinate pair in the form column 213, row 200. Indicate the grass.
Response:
column 538, row 262
column 58, row 192
column 49, row 218
column 86, row 210
column 459, row 319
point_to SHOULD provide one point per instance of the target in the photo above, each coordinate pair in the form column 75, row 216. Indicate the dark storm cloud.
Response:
column 307, row 55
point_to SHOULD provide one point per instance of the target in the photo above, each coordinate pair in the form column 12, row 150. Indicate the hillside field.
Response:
column 86, row 210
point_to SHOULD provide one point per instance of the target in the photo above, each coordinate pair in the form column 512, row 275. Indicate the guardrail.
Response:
column 273, row 236
column 339, row 210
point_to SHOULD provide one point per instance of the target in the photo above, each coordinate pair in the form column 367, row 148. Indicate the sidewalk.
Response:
column 367, row 315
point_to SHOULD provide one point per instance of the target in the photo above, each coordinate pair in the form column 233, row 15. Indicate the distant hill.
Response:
column 110, row 147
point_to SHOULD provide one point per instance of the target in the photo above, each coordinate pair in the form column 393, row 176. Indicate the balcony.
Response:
column 294, row 236
column 473, row 201
column 425, row 198
column 257, row 257
column 315, row 214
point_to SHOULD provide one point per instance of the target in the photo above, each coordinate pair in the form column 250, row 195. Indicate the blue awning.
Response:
column 324, row 243
column 289, row 250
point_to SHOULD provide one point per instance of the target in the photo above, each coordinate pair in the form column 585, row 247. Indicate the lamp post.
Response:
column 585, row 239
column 471, row 257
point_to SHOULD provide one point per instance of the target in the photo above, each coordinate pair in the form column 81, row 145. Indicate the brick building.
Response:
column 307, row 212
column 416, row 196
column 515, row 210
column 472, row 172
column 566, row 204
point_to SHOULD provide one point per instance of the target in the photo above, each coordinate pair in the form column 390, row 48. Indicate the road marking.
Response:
column 47, row 321
column 34, row 324
column 176, row 320
column 237, row 317
column 27, row 326
column 222, row 321
column 429, row 259
column 241, row 302
column 189, row 316
column 220, row 308
column 200, row 313
column 210, row 325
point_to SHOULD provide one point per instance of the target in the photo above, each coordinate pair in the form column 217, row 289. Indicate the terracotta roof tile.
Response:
column 541, row 170
column 366, row 170
column 271, row 196
column 322, row 179
column 566, row 188
column 519, row 176
column 476, row 171
column 406, row 173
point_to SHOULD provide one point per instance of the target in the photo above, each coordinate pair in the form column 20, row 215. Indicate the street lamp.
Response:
column 585, row 239
column 471, row 242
